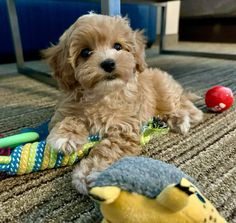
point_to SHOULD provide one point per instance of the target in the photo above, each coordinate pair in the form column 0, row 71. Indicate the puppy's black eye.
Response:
column 117, row 46
column 86, row 52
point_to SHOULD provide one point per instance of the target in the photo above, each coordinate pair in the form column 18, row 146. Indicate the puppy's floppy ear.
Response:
column 58, row 58
column 140, row 43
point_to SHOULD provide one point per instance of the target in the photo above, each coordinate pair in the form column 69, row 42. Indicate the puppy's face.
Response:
column 97, row 52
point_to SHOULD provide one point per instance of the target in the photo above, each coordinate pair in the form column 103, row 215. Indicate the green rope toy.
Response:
column 29, row 155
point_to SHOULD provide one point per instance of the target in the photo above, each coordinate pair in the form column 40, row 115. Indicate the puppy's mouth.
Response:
column 111, row 77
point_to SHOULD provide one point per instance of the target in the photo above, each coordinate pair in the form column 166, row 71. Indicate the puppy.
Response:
column 100, row 66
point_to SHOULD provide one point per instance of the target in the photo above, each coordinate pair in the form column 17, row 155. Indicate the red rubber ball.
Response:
column 219, row 98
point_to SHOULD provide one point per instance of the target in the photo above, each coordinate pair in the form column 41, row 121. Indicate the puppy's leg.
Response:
column 110, row 149
column 176, row 106
column 184, row 115
column 68, row 135
column 57, row 117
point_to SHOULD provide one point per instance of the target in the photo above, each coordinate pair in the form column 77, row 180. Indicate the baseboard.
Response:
column 170, row 39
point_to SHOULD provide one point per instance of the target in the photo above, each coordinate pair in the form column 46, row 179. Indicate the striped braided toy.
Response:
column 29, row 155
column 35, row 156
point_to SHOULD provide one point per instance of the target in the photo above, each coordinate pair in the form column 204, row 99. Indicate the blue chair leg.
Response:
column 110, row 7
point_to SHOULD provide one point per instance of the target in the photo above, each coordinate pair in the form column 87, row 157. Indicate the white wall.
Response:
column 172, row 18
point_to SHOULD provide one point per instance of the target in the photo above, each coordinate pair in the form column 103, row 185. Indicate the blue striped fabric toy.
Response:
column 31, row 153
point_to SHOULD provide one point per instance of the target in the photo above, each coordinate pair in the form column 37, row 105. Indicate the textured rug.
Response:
column 207, row 153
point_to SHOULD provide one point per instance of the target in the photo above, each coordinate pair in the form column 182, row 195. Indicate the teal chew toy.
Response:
column 31, row 156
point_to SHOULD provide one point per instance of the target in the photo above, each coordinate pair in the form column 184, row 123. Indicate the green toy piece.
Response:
column 154, row 127
column 15, row 140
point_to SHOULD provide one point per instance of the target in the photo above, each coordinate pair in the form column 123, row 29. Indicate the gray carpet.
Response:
column 207, row 153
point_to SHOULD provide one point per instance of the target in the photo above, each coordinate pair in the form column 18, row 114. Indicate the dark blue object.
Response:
column 42, row 130
column 42, row 22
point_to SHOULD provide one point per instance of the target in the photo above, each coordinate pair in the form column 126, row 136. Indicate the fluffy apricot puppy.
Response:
column 100, row 66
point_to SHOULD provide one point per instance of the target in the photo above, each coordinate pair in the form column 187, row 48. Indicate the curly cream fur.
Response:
column 93, row 103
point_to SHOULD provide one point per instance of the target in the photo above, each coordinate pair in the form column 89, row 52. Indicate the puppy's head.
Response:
column 97, row 51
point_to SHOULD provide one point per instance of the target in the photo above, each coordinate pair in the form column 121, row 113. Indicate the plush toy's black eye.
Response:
column 117, row 46
column 86, row 52
column 200, row 197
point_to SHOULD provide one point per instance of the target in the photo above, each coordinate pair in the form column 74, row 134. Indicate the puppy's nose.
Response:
column 108, row 65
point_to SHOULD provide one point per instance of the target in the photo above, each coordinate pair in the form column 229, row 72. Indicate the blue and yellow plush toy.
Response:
column 144, row 190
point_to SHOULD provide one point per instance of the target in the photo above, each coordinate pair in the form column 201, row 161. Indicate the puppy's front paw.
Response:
column 83, row 182
column 64, row 145
column 179, row 124
column 64, row 141
column 68, row 135
column 79, row 180
column 87, row 172
column 92, row 178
